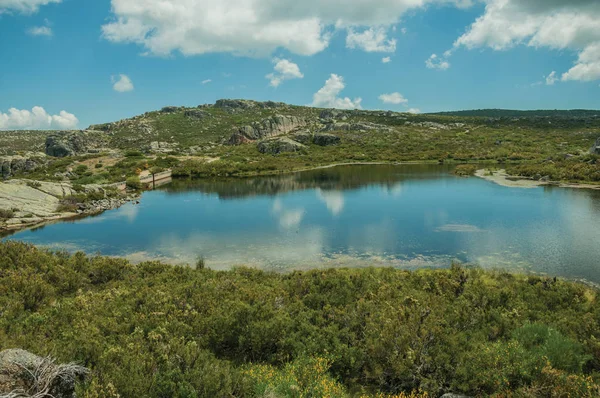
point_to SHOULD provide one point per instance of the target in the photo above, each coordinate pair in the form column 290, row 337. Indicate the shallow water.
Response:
column 404, row 216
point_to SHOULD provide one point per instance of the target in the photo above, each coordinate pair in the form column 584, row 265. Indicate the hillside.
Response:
column 242, row 137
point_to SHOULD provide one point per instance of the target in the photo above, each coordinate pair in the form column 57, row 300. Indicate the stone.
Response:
column 169, row 109
column 11, row 165
column 451, row 395
column 324, row 139
column 278, row 145
column 354, row 127
column 196, row 114
column 161, row 147
column 596, row 148
column 74, row 143
column 239, row 104
column 303, row 138
column 271, row 127
column 20, row 369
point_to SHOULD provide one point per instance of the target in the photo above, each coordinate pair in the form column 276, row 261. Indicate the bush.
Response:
column 6, row 214
column 134, row 183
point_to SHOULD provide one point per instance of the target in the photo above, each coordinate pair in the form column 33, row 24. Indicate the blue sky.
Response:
column 69, row 55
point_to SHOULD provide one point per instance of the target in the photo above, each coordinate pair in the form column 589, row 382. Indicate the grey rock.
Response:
column 161, row 147
column 324, row 139
column 596, row 148
column 19, row 370
column 451, row 395
column 169, row 109
column 354, row 127
column 11, row 165
column 333, row 114
column 196, row 114
column 271, row 127
column 278, row 145
column 239, row 104
column 303, row 138
column 74, row 143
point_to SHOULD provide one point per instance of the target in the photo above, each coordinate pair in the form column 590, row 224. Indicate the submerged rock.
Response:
column 25, row 374
column 279, row 145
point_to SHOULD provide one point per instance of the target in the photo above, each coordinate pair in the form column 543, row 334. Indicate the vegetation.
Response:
column 6, row 214
column 134, row 183
column 155, row 330
column 465, row 170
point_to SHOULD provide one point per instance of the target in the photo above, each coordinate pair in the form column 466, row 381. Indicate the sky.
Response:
column 66, row 64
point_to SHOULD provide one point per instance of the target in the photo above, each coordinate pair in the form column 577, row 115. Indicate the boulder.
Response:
column 364, row 126
column 161, row 147
column 596, row 148
column 278, row 145
column 333, row 114
column 240, row 104
column 303, row 137
column 11, row 165
column 196, row 114
column 73, row 143
column 24, row 374
column 169, row 109
column 324, row 139
column 271, row 127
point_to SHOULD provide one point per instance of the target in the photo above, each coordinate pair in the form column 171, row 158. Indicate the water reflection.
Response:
column 400, row 216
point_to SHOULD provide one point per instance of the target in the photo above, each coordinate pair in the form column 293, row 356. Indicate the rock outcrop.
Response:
column 596, row 148
column 333, row 114
column 271, row 127
column 161, row 147
column 278, row 145
column 23, row 374
column 11, row 165
column 74, row 143
column 196, row 114
column 324, row 139
column 238, row 104
column 362, row 126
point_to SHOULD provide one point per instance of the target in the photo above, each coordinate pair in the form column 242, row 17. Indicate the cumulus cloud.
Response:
column 414, row 110
column 36, row 119
column 386, row 60
column 284, row 70
column 40, row 31
column 393, row 98
column 23, row 6
column 123, row 84
column 551, row 78
column 371, row 40
column 435, row 62
column 252, row 27
column 328, row 95
column 555, row 24
column 206, row 81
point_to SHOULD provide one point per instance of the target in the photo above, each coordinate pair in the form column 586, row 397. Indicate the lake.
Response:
column 408, row 216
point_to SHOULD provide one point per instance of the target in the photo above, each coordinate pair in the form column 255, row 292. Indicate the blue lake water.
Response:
column 401, row 216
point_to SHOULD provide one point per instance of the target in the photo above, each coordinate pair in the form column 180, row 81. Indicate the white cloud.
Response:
column 386, row 60
column 206, row 81
column 23, row 6
column 555, row 24
column 250, row 27
column 36, row 119
column 414, row 110
column 393, row 98
column 551, row 78
column 435, row 62
column 284, row 70
column 123, row 84
column 334, row 200
column 327, row 96
column 371, row 40
column 40, row 31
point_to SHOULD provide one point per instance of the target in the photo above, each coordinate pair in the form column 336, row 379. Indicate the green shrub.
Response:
column 133, row 183
column 6, row 214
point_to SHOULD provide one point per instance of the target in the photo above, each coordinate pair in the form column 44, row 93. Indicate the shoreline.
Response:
column 500, row 177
